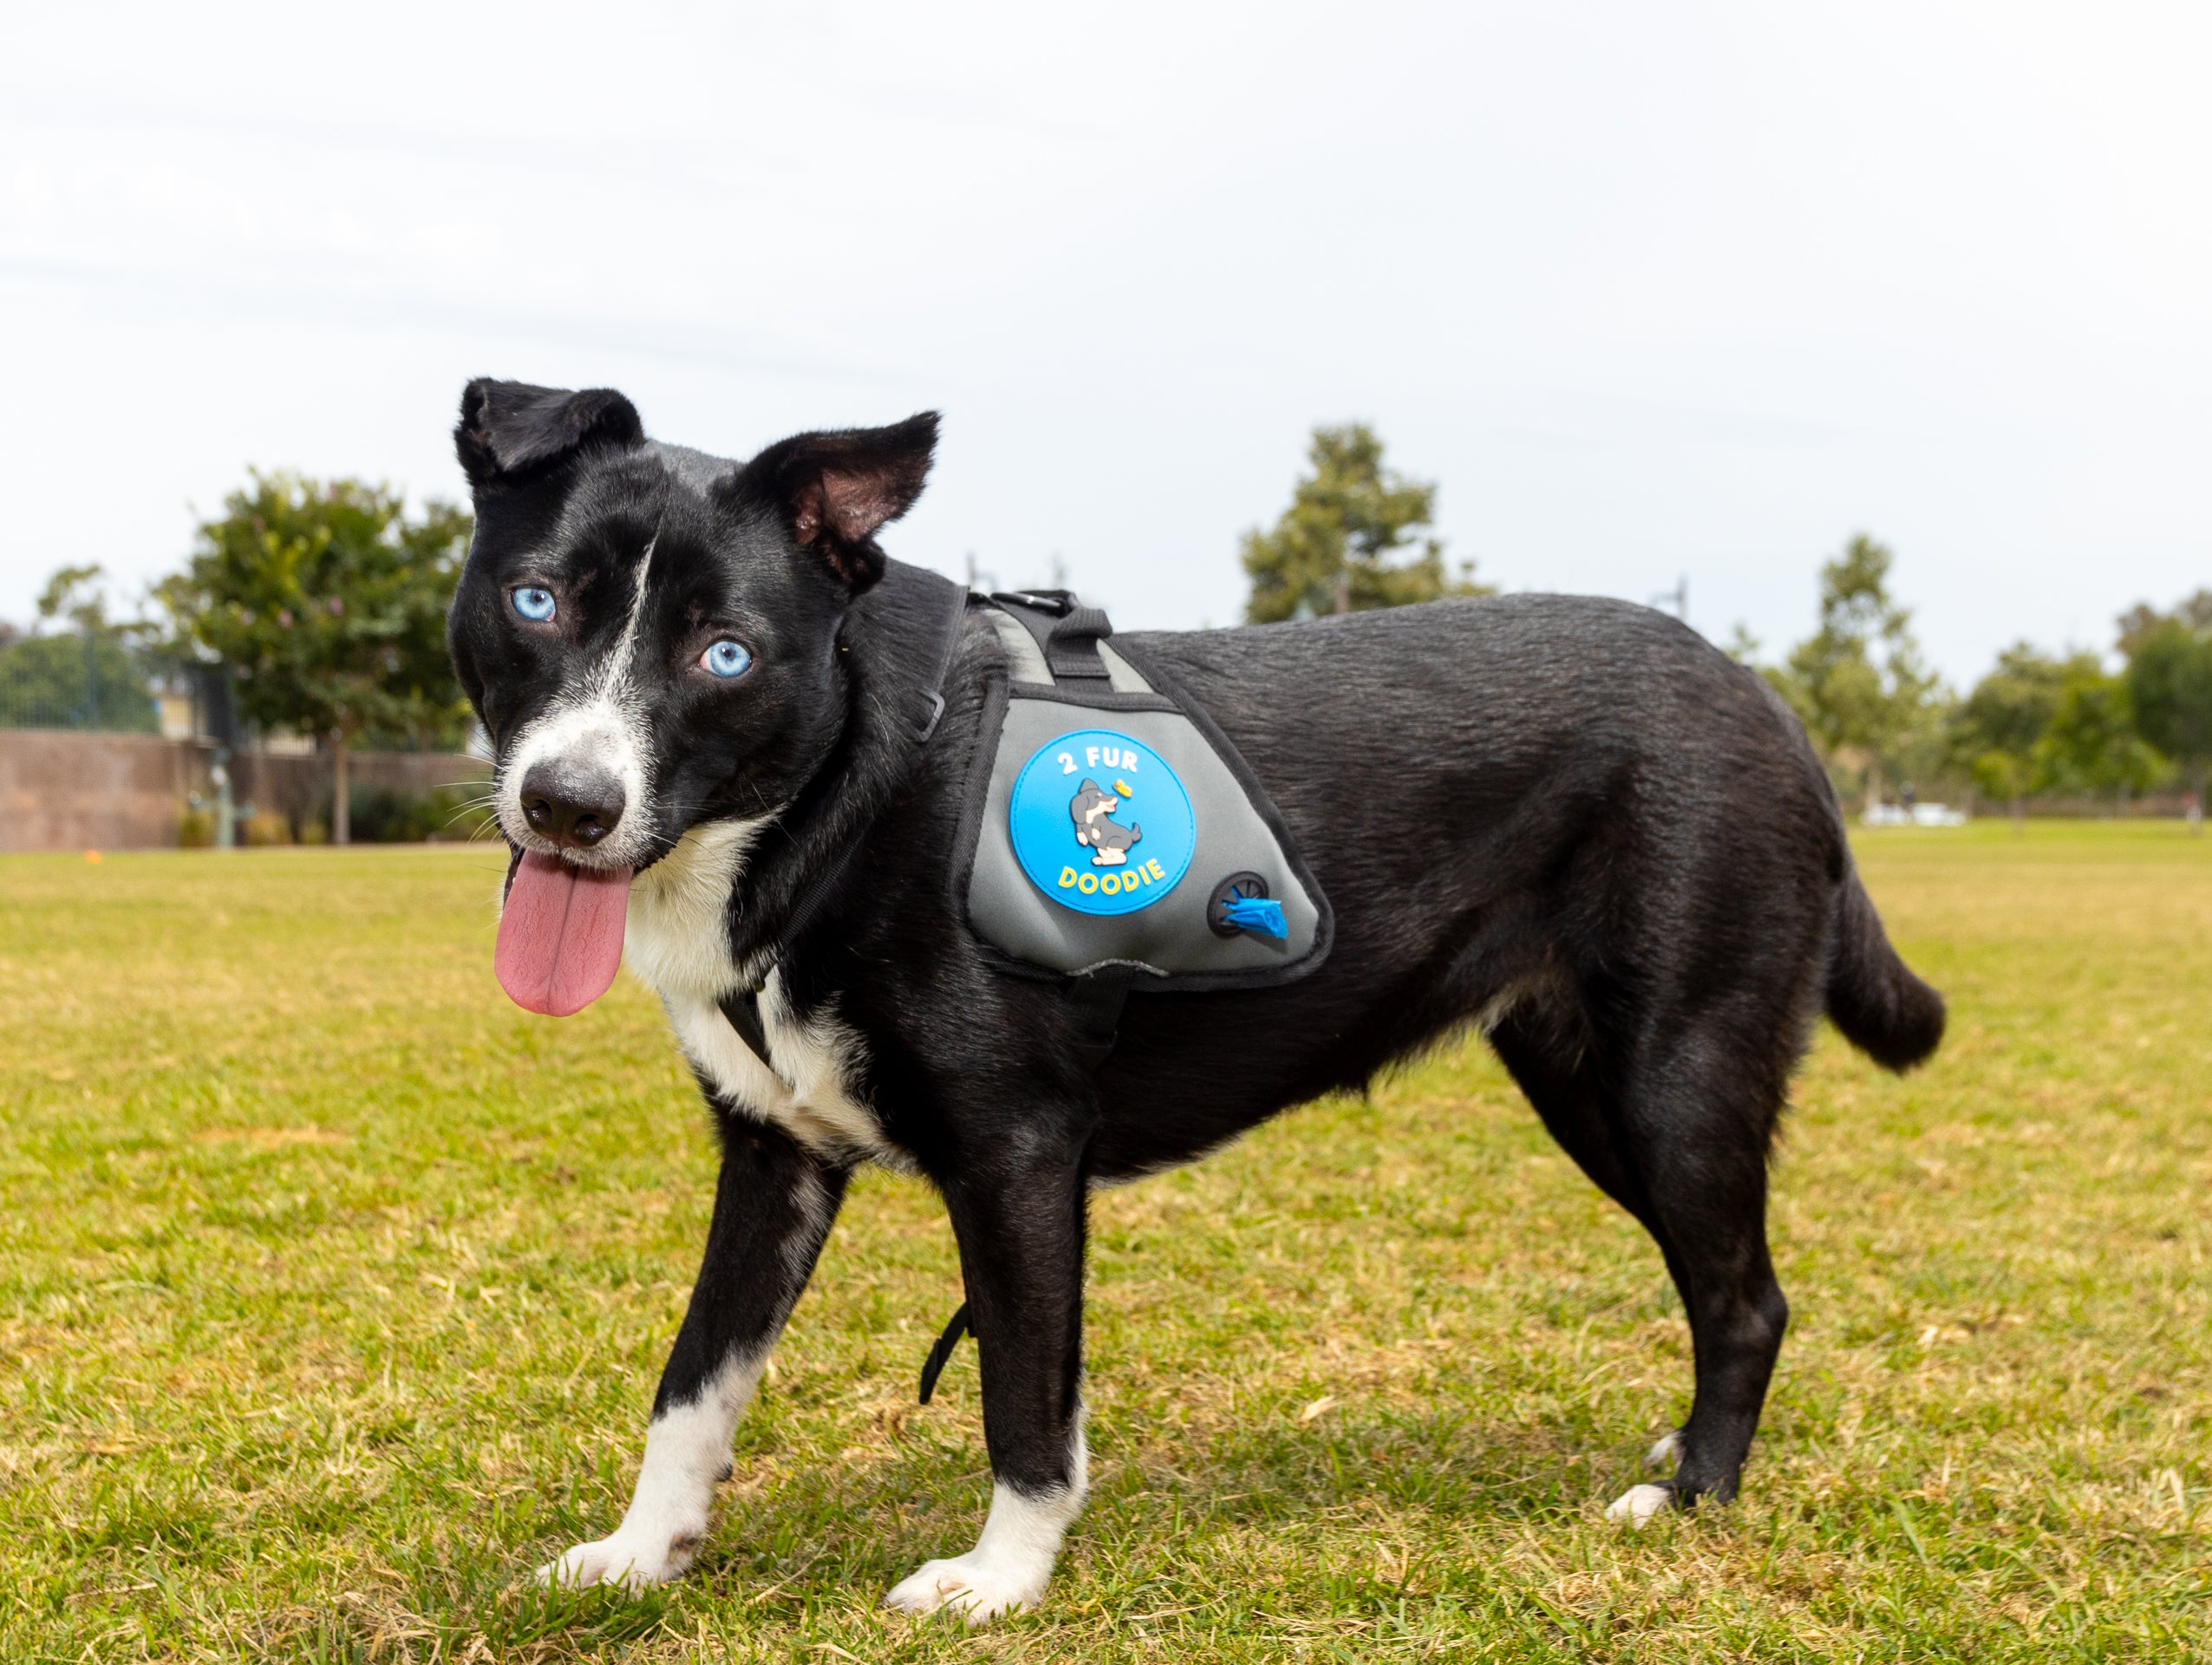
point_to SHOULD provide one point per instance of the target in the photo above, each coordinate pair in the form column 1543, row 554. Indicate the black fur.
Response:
column 1571, row 818
column 508, row 430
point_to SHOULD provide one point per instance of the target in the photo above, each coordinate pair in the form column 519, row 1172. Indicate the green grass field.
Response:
column 333, row 1291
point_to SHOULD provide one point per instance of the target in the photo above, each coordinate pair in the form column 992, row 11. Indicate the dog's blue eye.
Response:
column 726, row 658
column 534, row 604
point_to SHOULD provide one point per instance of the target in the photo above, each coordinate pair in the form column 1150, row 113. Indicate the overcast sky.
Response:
column 1650, row 291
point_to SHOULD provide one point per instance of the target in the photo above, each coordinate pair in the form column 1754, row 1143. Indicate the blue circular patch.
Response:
column 1100, row 824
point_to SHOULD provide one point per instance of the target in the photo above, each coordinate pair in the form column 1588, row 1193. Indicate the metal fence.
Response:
column 78, row 679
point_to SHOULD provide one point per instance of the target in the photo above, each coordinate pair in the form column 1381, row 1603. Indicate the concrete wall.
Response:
column 61, row 790
column 298, row 787
column 66, row 789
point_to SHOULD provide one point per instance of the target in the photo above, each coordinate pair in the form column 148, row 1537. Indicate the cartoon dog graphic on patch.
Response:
column 1107, row 840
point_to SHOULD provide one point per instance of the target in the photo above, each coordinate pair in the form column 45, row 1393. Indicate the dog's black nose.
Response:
column 571, row 803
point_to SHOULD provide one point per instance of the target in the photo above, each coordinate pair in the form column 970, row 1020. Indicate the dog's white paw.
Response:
column 633, row 1561
column 1639, row 1504
column 977, row 1585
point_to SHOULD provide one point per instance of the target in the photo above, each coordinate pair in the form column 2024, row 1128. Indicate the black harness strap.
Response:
column 1066, row 632
column 1097, row 998
column 742, row 1007
column 933, row 695
column 743, row 1011
column 941, row 1354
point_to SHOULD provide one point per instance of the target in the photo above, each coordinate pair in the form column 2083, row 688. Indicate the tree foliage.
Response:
column 2091, row 745
column 1996, row 728
column 328, row 601
column 1330, row 551
column 2169, row 680
column 1858, row 681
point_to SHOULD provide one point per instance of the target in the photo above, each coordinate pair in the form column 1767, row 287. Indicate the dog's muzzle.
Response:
column 573, row 805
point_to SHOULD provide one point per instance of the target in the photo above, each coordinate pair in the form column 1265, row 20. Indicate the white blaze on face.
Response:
column 602, row 722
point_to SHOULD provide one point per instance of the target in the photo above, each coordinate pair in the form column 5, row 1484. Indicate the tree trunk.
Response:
column 1873, row 783
column 1344, row 589
column 341, row 791
column 2019, row 816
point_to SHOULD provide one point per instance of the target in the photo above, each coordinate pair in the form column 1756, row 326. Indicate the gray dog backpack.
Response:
column 1113, row 836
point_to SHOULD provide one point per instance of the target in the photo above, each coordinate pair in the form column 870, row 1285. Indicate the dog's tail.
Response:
column 1881, row 1008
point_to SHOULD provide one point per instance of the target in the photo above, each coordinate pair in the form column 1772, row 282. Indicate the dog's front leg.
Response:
column 1019, row 1222
column 772, row 1208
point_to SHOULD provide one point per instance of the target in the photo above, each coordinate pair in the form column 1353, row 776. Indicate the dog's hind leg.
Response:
column 1019, row 1216
column 772, row 1208
column 1692, row 1129
column 1682, row 1145
column 1551, row 1066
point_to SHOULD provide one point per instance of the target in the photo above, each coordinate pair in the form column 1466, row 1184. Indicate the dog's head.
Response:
column 648, row 633
column 1089, row 803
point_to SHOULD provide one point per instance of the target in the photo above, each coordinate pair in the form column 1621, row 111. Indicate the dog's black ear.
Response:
column 510, row 428
column 835, row 491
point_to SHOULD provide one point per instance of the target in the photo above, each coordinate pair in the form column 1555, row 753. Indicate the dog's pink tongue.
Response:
column 560, row 935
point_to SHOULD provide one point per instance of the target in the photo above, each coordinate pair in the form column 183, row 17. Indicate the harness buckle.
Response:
column 1056, row 604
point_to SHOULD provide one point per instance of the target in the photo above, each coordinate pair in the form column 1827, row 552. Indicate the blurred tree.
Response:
column 1858, row 681
column 2195, row 611
column 2091, row 745
column 1994, row 731
column 1326, row 554
column 2169, row 682
column 328, row 604
column 88, row 676
column 76, row 594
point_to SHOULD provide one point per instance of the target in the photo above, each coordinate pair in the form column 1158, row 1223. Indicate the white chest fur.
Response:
column 678, row 939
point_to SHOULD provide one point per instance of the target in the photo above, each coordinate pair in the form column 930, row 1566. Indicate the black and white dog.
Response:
column 1568, row 822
